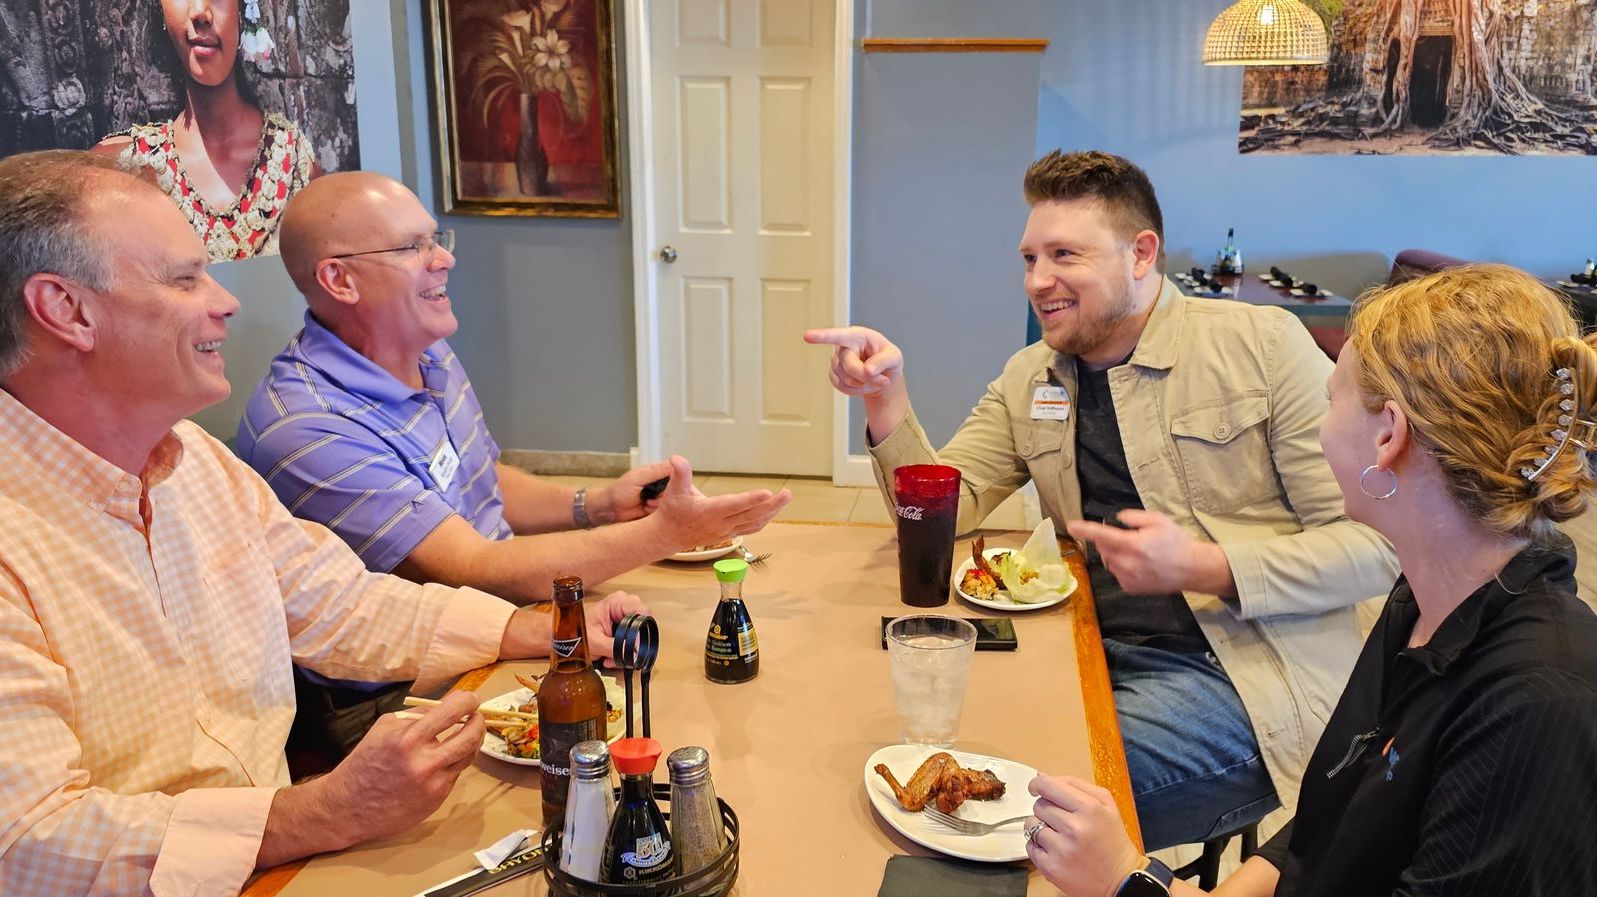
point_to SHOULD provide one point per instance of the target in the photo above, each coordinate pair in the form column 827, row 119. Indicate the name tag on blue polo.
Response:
column 444, row 465
column 1050, row 403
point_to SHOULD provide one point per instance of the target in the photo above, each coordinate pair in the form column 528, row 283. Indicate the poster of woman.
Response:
column 230, row 106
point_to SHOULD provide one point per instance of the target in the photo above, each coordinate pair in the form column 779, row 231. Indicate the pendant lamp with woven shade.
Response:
column 1266, row 32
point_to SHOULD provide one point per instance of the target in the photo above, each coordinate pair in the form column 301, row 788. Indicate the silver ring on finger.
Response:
column 1031, row 833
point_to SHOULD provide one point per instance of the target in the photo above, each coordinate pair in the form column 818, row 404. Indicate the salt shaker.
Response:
column 589, row 804
column 695, row 813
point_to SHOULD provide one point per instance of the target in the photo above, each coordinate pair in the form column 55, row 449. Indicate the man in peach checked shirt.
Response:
column 154, row 593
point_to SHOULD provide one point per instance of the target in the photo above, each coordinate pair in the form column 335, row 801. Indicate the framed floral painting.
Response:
column 524, row 93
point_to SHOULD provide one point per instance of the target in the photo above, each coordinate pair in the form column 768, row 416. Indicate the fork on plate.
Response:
column 968, row 826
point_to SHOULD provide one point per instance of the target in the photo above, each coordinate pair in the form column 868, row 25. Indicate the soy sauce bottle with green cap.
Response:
column 731, row 651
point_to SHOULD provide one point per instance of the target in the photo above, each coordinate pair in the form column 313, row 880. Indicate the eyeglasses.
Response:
column 424, row 247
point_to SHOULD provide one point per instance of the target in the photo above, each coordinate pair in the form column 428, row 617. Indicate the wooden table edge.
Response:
column 1098, row 698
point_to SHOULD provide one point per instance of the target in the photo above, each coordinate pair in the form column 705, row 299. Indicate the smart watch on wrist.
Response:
column 1153, row 880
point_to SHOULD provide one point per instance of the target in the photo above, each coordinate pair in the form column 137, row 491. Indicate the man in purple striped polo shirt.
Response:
column 367, row 423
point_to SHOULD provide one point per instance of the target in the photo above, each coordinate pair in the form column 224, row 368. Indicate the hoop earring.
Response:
column 1366, row 489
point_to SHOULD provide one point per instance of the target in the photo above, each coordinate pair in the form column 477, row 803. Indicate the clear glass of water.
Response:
column 929, row 655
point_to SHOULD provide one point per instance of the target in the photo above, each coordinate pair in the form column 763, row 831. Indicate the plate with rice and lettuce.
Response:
column 1031, row 577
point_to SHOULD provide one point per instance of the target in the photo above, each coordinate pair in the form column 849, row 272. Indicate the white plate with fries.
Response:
column 1004, row 845
column 495, row 744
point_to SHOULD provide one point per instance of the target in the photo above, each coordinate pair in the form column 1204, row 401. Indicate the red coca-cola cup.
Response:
column 926, row 499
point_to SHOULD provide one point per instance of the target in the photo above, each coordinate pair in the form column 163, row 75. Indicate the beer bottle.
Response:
column 731, row 651
column 570, row 697
column 637, row 849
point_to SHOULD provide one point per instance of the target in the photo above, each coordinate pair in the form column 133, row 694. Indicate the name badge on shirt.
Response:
column 1050, row 403
column 444, row 465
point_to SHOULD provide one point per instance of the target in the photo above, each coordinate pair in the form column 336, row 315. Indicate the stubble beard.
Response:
column 1092, row 331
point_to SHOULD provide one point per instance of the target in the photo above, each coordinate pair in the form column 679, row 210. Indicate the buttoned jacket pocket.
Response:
column 1036, row 438
column 1224, row 448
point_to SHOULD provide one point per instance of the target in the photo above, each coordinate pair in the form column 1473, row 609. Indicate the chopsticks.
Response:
column 488, row 712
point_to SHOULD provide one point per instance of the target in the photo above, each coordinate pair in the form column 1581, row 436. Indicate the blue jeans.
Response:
column 1195, row 767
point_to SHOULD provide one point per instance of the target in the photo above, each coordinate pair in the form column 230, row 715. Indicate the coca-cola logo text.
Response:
column 910, row 512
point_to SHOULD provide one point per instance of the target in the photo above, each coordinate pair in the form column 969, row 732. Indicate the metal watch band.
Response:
column 579, row 509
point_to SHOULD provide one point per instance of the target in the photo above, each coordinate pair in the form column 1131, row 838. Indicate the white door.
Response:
column 742, row 154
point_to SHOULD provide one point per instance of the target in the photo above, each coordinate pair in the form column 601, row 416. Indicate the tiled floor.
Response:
column 817, row 500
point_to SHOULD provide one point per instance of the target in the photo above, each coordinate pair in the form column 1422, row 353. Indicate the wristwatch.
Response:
column 579, row 509
column 1153, row 880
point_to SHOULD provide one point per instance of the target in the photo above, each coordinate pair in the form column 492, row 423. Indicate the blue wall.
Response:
column 1126, row 77
column 940, row 144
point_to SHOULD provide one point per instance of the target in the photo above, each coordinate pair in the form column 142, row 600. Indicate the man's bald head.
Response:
column 363, row 251
column 334, row 214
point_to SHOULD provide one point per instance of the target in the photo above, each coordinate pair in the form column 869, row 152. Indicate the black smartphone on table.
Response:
column 991, row 634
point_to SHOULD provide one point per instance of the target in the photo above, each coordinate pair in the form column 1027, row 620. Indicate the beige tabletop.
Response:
column 788, row 749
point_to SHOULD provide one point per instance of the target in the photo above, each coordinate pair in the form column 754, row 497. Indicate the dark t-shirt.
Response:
column 1156, row 621
column 1464, row 766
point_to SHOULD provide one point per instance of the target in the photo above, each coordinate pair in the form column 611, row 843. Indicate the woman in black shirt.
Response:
column 1462, row 756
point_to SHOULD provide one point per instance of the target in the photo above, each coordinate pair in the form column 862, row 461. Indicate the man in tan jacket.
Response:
column 1178, row 438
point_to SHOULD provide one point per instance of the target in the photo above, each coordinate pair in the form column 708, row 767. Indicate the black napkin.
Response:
column 933, row 877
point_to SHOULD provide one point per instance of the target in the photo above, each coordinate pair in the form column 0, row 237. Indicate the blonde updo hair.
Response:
column 1470, row 354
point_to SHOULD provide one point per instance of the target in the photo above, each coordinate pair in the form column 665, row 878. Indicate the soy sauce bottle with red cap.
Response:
column 638, row 847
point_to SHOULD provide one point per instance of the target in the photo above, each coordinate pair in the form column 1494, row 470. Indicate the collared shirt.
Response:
column 147, row 627
column 1464, row 766
column 343, row 443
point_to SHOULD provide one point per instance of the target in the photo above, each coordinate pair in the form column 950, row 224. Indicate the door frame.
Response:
column 640, row 206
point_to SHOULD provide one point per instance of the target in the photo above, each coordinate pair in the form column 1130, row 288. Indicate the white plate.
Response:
column 707, row 553
column 495, row 747
column 1323, row 294
column 1005, row 845
column 1001, row 601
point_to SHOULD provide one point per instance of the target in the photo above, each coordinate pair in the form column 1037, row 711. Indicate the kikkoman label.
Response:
column 648, row 852
column 566, row 647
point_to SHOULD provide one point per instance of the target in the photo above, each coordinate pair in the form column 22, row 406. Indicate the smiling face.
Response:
column 205, row 35
column 160, row 324
column 1080, row 274
column 403, row 295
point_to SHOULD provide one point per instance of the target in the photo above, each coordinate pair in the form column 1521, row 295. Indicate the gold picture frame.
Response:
column 524, row 99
